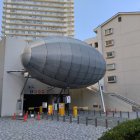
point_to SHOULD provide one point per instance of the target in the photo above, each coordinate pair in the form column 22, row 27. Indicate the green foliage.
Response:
column 129, row 130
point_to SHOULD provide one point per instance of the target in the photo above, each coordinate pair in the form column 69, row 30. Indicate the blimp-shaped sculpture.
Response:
column 64, row 62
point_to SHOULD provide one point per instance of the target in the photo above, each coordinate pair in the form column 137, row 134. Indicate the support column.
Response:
column 102, row 97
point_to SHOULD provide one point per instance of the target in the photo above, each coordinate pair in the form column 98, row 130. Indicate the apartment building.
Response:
column 118, row 40
column 33, row 19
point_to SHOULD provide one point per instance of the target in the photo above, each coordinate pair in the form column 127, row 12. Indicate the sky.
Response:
column 91, row 13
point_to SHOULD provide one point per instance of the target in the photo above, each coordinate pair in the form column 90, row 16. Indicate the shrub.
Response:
column 129, row 130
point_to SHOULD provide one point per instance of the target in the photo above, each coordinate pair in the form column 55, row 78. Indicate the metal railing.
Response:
column 129, row 101
column 96, row 118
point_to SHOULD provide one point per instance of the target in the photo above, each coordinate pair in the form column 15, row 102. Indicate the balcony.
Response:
column 41, row 15
column 53, row 10
column 43, row 24
column 57, row 4
column 36, row 30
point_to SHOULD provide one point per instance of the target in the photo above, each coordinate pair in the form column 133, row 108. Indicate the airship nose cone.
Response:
column 26, row 56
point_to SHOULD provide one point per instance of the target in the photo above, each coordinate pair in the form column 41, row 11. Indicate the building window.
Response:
column 110, row 66
column 109, row 43
column 119, row 19
column 13, row 10
column 109, row 31
column 111, row 79
column 110, row 54
column 96, row 44
column 16, row 32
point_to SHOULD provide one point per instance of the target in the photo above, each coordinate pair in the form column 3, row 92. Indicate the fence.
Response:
column 96, row 118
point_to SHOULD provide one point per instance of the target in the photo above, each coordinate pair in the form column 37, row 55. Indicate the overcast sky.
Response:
column 91, row 13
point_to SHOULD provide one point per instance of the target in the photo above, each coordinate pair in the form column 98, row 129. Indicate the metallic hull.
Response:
column 64, row 62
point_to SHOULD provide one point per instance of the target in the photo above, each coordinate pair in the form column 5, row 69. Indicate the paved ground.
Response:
column 47, row 130
column 54, row 130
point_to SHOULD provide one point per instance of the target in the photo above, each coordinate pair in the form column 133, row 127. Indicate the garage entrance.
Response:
column 32, row 102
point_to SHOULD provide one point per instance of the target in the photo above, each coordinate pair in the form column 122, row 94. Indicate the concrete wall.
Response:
column 127, row 56
column 34, row 86
column 113, row 103
column 12, row 82
column 2, row 54
column 85, row 98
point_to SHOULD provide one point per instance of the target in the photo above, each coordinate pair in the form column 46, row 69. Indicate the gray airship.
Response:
column 63, row 62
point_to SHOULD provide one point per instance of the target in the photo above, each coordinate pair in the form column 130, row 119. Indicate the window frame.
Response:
column 109, row 44
column 108, row 31
column 119, row 19
column 113, row 65
column 112, row 81
column 110, row 56
column 96, row 45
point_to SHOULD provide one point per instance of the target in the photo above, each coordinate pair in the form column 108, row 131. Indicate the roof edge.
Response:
column 119, row 13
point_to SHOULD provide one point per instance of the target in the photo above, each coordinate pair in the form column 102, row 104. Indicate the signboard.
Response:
column 37, row 91
column 44, row 104
column 68, row 99
column 55, row 107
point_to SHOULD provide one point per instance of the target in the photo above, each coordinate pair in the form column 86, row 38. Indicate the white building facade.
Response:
column 32, row 19
column 118, row 40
